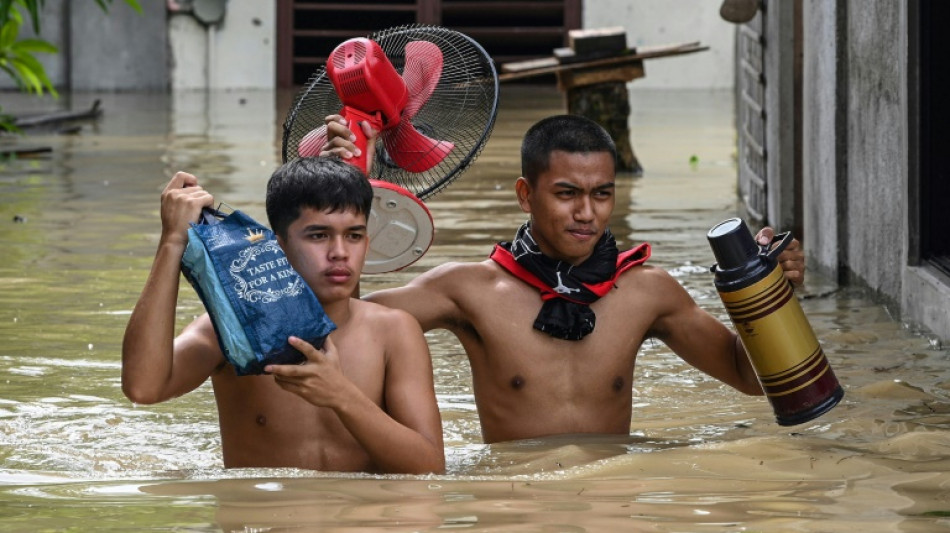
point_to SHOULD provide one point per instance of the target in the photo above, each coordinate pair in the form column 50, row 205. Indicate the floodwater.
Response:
column 79, row 225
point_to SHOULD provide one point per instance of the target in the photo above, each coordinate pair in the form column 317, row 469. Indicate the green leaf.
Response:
column 33, row 75
column 7, row 122
column 34, row 6
column 26, row 77
column 134, row 4
column 33, row 70
column 8, row 34
column 5, row 66
column 35, row 46
column 5, row 6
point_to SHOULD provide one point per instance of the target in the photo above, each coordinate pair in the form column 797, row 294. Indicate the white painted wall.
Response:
column 238, row 53
column 657, row 22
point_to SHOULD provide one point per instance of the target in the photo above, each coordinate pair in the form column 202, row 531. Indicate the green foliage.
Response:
column 694, row 162
column 105, row 4
column 18, row 56
column 32, row 7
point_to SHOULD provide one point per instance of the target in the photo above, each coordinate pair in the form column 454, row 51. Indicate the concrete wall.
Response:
column 858, row 173
column 119, row 50
column 781, row 125
column 237, row 53
column 158, row 50
column 656, row 22
column 877, row 121
column 854, row 150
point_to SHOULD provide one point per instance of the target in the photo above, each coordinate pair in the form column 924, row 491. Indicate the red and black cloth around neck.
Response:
column 567, row 290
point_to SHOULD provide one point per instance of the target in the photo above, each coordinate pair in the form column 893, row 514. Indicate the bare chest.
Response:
column 263, row 426
column 504, row 346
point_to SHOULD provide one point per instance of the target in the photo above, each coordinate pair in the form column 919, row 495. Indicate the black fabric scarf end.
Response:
column 569, row 319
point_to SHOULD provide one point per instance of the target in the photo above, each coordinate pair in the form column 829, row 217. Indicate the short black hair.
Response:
column 321, row 183
column 567, row 133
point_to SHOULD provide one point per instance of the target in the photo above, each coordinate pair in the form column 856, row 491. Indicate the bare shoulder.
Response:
column 651, row 287
column 648, row 278
column 458, row 274
column 396, row 332
column 436, row 298
column 656, row 291
column 381, row 318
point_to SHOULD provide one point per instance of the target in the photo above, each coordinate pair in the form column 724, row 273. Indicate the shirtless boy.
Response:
column 365, row 402
column 538, row 368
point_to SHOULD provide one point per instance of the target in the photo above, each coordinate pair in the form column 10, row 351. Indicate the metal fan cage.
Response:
column 461, row 109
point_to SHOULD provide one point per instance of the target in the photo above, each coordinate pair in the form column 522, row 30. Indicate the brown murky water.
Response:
column 78, row 229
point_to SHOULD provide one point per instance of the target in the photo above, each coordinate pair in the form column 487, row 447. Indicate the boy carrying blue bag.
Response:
column 288, row 392
column 256, row 300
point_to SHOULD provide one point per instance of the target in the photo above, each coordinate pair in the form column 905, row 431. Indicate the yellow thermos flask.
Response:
column 782, row 347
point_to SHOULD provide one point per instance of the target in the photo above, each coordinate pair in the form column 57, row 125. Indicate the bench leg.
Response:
column 608, row 104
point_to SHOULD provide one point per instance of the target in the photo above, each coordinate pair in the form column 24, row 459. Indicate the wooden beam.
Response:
column 570, row 79
column 538, row 67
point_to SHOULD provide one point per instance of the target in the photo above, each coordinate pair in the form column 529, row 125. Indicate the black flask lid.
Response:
column 732, row 244
column 740, row 260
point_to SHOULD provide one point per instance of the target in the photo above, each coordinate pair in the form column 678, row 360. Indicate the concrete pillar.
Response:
column 780, row 123
column 825, row 135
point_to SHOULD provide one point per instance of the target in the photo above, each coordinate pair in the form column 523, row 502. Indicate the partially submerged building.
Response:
column 841, row 126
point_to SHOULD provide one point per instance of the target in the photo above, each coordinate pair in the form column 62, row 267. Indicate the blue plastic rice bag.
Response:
column 256, row 300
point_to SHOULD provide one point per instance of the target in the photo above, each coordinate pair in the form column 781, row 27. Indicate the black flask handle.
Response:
column 778, row 245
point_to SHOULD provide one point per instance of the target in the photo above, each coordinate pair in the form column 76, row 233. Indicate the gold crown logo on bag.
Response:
column 254, row 235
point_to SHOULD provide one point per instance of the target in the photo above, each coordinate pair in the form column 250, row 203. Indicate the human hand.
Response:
column 319, row 379
column 182, row 201
column 792, row 259
column 341, row 140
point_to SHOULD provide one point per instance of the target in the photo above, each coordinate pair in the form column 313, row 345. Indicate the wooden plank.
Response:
column 530, row 64
column 571, row 79
column 25, row 152
column 519, row 70
column 93, row 112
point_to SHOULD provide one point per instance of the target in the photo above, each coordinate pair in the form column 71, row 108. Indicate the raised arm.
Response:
column 701, row 340
column 402, row 436
column 698, row 338
column 431, row 297
column 149, row 350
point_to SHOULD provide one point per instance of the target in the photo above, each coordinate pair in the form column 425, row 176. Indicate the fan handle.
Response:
column 353, row 119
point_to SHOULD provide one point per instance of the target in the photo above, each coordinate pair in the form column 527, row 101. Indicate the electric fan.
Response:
column 432, row 93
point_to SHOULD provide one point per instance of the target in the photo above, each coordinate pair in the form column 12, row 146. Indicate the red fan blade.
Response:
column 312, row 143
column 421, row 74
column 408, row 148
column 412, row 150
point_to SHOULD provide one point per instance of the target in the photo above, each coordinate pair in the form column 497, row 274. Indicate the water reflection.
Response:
column 78, row 230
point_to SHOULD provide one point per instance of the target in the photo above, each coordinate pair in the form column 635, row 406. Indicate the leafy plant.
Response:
column 18, row 56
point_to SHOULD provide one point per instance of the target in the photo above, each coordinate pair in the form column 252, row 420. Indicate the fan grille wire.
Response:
column 461, row 109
